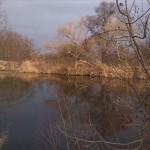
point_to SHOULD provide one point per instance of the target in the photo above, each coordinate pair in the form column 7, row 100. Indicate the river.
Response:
column 54, row 112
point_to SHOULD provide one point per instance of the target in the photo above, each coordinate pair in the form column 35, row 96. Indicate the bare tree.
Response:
column 3, row 20
column 15, row 47
column 97, row 26
column 74, row 36
column 130, row 16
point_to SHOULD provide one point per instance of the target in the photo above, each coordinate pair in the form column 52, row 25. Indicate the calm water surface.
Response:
column 30, row 111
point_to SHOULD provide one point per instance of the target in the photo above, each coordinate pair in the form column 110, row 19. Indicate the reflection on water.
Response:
column 35, row 109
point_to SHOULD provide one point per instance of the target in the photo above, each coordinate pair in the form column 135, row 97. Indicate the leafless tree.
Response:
column 74, row 36
column 3, row 20
column 98, row 26
column 15, row 47
column 130, row 16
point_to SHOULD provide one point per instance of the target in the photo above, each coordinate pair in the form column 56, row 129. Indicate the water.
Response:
column 30, row 111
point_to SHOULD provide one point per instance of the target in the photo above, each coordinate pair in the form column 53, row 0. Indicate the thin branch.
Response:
column 102, row 141
column 85, row 62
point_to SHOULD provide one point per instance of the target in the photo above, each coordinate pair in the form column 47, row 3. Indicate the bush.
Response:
column 15, row 47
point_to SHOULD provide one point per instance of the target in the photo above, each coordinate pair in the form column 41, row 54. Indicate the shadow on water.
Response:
column 51, row 112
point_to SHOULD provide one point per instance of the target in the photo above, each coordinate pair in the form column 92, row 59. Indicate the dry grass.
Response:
column 120, row 71
column 3, row 139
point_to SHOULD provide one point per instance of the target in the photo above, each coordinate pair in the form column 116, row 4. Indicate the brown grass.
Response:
column 3, row 139
column 103, row 70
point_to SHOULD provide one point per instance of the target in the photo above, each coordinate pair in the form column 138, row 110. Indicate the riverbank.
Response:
column 101, row 70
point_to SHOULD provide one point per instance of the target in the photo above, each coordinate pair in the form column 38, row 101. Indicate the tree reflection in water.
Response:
column 89, row 113
column 100, row 114
column 14, row 90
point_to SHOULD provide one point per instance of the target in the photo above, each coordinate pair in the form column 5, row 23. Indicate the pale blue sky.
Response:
column 38, row 19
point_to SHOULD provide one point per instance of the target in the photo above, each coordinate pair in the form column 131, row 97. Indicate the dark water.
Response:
column 33, row 110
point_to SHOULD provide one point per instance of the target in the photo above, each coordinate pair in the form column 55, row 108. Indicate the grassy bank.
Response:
column 102, row 70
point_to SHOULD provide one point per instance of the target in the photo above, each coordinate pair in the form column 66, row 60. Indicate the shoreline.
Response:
column 101, row 70
column 16, row 73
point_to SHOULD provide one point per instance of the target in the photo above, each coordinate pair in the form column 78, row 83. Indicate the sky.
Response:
column 38, row 19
